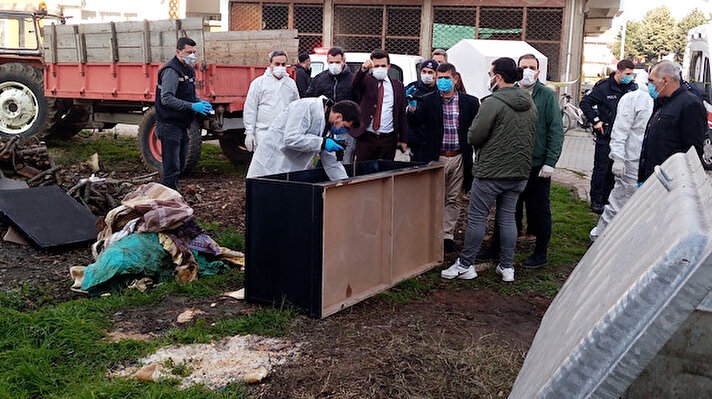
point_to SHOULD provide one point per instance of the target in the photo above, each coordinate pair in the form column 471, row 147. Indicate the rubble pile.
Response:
column 29, row 160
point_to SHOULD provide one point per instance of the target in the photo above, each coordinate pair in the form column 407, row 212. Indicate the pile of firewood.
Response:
column 27, row 160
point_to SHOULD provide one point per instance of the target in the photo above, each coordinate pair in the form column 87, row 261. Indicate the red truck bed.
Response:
column 216, row 83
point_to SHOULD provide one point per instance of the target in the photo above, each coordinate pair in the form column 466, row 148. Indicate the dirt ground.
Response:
column 377, row 349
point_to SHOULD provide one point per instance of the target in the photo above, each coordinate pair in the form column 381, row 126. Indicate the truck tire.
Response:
column 150, row 145
column 24, row 110
column 73, row 121
column 230, row 144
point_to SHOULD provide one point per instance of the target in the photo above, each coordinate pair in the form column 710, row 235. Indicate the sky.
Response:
column 634, row 10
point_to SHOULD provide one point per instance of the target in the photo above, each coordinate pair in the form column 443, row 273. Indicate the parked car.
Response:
column 403, row 67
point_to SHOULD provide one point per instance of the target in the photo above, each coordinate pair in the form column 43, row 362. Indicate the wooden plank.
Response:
column 146, row 42
column 113, row 43
column 53, row 43
column 252, row 35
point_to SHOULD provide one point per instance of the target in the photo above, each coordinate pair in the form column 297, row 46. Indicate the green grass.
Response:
column 571, row 223
column 212, row 160
column 118, row 153
column 60, row 351
column 226, row 236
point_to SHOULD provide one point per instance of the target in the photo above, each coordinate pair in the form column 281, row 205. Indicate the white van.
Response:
column 696, row 70
column 403, row 67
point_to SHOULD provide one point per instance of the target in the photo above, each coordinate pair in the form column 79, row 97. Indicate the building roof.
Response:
column 599, row 14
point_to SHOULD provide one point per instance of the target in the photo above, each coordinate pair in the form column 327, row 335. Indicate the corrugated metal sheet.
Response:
column 629, row 294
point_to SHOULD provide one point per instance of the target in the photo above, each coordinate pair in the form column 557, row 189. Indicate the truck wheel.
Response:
column 150, row 145
column 230, row 144
column 24, row 110
column 73, row 122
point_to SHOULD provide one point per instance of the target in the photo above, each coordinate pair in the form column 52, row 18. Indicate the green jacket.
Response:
column 503, row 135
column 549, row 129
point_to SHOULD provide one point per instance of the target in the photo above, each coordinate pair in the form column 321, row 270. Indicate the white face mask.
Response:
column 529, row 78
column 380, row 73
column 335, row 69
column 427, row 78
column 492, row 84
column 279, row 72
column 190, row 59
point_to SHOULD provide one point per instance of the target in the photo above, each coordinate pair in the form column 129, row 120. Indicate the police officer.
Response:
column 176, row 105
column 604, row 97
column 415, row 91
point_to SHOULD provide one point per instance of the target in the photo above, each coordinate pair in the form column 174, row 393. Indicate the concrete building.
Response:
column 554, row 27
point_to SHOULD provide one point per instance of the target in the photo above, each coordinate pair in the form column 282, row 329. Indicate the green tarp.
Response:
column 446, row 36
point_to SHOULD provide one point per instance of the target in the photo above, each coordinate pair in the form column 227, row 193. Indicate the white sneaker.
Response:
column 459, row 271
column 507, row 274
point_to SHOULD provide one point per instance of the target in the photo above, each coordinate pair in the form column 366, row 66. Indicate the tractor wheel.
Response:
column 233, row 147
column 150, row 145
column 24, row 110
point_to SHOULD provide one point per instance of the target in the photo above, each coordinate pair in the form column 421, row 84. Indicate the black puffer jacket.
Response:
column 605, row 96
column 337, row 87
column 678, row 123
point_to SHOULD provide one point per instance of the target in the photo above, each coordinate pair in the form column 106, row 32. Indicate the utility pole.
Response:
column 622, row 55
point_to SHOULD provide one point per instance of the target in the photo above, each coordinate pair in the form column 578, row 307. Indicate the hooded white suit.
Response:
column 293, row 140
column 634, row 111
column 266, row 98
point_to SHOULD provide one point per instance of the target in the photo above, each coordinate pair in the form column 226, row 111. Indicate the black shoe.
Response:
column 450, row 246
column 487, row 255
column 535, row 261
column 597, row 208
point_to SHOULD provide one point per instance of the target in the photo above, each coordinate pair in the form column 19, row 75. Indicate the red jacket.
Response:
column 366, row 87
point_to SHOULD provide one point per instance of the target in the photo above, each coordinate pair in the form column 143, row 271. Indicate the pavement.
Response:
column 576, row 162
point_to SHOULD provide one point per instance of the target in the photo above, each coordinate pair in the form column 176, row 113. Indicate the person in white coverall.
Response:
column 634, row 111
column 267, row 96
column 298, row 134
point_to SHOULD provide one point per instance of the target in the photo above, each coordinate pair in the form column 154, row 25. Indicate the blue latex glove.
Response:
column 332, row 145
column 202, row 107
column 408, row 92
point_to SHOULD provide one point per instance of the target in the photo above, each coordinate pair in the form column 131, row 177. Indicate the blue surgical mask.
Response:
column 627, row 79
column 444, row 85
column 651, row 90
column 338, row 131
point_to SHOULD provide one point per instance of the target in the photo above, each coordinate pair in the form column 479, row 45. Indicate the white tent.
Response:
column 473, row 58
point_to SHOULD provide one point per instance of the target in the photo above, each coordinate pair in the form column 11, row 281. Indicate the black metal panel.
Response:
column 284, row 244
column 48, row 217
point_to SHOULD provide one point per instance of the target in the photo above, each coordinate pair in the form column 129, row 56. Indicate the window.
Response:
column 18, row 34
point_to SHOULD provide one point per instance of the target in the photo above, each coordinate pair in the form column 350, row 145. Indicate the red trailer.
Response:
column 109, row 71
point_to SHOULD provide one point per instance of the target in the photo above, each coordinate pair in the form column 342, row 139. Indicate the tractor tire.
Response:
column 233, row 147
column 150, row 145
column 72, row 122
column 24, row 110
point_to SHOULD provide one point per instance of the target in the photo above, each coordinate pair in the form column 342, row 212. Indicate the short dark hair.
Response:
column 334, row 51
column 349, row 110
column 625, row 64
column 380, row 53
column 447, row 68
column 277, row 53
column 303, row 57
column 184, row 41
column 529, row 57
column 508, row 69
column 439, row 51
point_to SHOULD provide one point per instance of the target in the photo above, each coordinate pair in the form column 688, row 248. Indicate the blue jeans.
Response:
column 174, row 149
column 484, row 194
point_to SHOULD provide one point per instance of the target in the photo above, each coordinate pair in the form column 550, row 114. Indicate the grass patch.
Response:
column 213, row 160
column 60, row 351
column 571, row 223
column 119, row 153
column 224, row 235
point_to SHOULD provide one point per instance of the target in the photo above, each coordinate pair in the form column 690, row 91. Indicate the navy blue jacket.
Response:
column 185, row 91
column 605, row 96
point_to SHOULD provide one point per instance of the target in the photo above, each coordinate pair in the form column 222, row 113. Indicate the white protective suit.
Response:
column 293, row 140
column 266, row 98
column 634, row 111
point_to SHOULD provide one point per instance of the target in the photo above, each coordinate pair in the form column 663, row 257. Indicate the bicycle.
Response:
column 571, row 113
